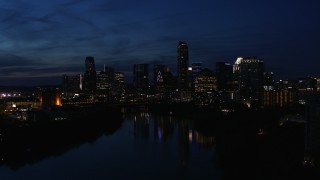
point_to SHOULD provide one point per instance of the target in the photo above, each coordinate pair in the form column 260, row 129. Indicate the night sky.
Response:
column 41, row 40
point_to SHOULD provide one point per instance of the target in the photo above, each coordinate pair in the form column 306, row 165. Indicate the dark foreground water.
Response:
column 143, row 146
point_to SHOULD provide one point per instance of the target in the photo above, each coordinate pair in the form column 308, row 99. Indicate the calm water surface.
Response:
column 146, row 146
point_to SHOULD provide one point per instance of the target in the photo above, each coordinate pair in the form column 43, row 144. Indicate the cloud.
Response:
column 71, row 3
column 8, row 15
column 13, row 66
column 120, row 46
column 118, row 5
column 8, row 60
column 36, row 71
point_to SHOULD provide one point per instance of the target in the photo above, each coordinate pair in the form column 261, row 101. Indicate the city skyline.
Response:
column 43, row 40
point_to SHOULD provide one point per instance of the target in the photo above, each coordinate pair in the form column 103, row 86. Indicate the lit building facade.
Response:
column 119, row 89
column 196, row 68
column 279, row 94
column 193, row 71
column 278, row 98
column 205, row 87
column 205, row 81
column 105, row 80
column 119, row 77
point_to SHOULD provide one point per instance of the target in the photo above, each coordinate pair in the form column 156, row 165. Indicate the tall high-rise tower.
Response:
column 141, row 76
column 250, row 74
column 90, row 76
column 224, row 73
column 183, row 63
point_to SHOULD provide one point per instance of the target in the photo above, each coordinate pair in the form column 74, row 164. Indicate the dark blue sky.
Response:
column 41, row 40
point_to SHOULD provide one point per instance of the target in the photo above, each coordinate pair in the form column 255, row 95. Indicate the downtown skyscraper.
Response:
column 141, row 76
column 182, row 65
column 250, row 74
column 90, row 76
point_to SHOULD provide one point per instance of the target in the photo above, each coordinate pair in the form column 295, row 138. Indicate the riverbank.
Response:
column 29, row 141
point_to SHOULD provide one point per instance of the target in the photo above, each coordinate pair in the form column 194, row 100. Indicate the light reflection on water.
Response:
column 146, row 146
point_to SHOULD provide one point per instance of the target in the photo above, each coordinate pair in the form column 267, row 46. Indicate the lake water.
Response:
column 144, row 146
